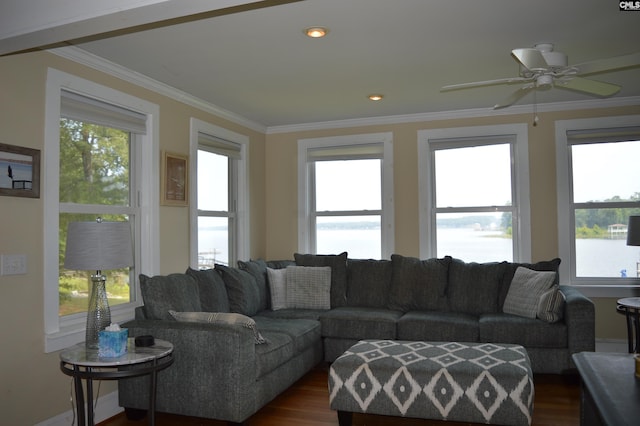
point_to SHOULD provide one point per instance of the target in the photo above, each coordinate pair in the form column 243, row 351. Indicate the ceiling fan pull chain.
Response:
column 535, row 108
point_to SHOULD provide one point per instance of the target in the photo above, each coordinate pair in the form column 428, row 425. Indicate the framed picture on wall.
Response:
column 19, row 171
column 175, row 179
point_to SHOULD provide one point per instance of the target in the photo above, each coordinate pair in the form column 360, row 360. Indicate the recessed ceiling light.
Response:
column 376, row 97
column 316, row 32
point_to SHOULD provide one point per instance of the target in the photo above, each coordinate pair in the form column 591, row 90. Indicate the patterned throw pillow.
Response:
column 277, row 279
column 220, row 318
column 308, row 287
column 527, row 287
column 551, row 304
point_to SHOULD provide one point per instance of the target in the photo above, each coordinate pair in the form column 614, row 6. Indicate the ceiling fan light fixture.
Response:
column 375, row 97
column 544, row 82
column 316, row 32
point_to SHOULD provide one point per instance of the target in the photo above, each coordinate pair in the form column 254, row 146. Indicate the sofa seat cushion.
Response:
column 438, row 326
column 359, row 323
column 528, row 332
column 304, row 332
column 279, row 350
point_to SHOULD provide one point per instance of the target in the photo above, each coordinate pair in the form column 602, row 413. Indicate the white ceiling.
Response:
column 257, row 63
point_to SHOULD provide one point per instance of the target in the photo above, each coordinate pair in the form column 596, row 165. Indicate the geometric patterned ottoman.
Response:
column 464, row 382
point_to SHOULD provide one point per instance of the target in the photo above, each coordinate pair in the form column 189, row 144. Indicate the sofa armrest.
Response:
column 580, row 318
column 213, row 374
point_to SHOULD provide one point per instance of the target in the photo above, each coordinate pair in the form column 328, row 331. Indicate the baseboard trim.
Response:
column 612, row 345
column 106, row 408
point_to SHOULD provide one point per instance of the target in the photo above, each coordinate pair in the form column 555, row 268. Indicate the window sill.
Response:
column 610, row 291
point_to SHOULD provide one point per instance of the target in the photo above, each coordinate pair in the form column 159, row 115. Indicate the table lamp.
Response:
column 98, row 246
column 633, row 234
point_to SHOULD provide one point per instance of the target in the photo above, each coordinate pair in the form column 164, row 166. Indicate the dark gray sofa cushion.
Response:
column 438, row 326
column 162, row 293
column 338, row 264
column 279, row 350
column 258, row 269
column 359, row 323
column 419, row 284
column 368, row 282
column 213, row 293
column 473, row 287
column 303, row 332
column 528, row 332
column 244, row 296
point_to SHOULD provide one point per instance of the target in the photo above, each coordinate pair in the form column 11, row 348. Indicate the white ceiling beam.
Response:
column 29, row 24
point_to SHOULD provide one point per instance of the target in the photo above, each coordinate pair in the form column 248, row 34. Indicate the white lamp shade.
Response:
column 633, row 231
column 98, row 246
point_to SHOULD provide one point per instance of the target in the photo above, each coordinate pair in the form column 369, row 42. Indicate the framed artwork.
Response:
column 19, row 171
column 175, row 176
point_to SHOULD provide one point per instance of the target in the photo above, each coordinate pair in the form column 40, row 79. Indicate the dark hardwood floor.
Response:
column 306, row 403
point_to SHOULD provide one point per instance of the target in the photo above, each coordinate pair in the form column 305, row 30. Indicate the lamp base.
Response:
column 98, row 313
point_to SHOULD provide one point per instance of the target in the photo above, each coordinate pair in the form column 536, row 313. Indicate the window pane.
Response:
column 348, row 185
column 94, row 164
column 213, row 181
column 74, row 285
column 473, row 176
column 213, row 241
column 601, row 245
column 606, row 171
column 360, row 236
column 475, row 237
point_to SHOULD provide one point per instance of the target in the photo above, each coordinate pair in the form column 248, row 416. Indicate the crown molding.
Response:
column 457, row 114
column 90, row 60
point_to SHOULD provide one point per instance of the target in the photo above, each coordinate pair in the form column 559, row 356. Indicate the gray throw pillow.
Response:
column 338, row 264
column 220, row 318
column 163, row 293
column 277, row 279
column 244, row 296
column 308, row 287
column 525, row 291
column 213, row 293
column 551, row 305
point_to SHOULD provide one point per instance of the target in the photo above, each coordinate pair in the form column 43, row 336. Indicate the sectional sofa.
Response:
column 274, row 321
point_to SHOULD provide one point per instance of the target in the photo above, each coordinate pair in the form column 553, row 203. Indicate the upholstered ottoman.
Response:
column 464, row 382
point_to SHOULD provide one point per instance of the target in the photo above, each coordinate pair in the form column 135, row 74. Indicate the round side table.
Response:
column 81, row 363
column 630, row 307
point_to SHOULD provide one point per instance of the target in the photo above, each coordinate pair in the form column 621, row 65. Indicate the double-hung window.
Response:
column 474, row 197
column 94, row 169
column 345, row 195
column 598, row 189
column 221, row 230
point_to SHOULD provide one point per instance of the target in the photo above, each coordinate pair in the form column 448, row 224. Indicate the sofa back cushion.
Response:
column 419, row 284
column 162, row 293
column 213, row 293
column 368, row 282
column 258, row 269
column 338, row 264
column 474, row 287
column 244, row 297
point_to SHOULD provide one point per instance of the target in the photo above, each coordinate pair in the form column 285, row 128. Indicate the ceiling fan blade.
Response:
column 610, row 64
column 530, row 58
column 515, row 96
column 510, row 80
column 592, row 87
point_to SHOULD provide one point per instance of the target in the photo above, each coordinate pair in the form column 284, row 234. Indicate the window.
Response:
column 598, row 189
column 220, row 231
column 474, row 193
column 345, row 195
column 96, row 143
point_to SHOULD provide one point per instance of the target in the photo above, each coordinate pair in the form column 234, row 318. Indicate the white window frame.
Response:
column 306, row 230
column 520, row 186
column 591, row 287
column 239, row 183
column 62, row 332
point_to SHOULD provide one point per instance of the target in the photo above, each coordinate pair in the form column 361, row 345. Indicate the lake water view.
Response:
column 595, row 257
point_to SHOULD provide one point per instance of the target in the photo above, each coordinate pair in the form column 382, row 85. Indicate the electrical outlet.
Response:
column 13, row 264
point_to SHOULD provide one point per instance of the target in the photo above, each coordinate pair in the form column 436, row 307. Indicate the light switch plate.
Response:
column 13, row 264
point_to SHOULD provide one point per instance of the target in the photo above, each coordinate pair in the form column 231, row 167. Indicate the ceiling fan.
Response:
column 542, row 68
